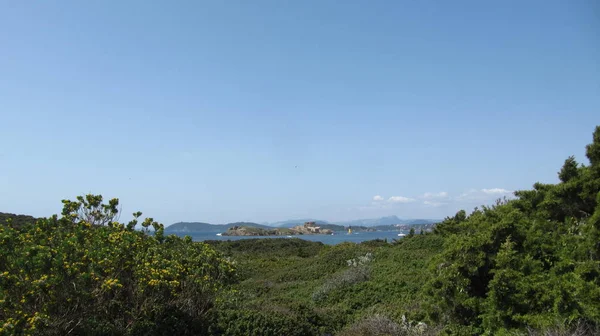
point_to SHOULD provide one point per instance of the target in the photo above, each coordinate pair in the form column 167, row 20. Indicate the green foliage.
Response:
column 358, row 271
column 373, row 325
column 569, row 170
column 270, row 321
column 592, row 151
column 281, row 247
column 84, row 273
column 332, row 227
column 532, row 262
column 321, row 289
column 381, row 325
column 15, row 220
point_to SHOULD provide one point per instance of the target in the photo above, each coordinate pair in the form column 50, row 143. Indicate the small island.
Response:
column 309, row 228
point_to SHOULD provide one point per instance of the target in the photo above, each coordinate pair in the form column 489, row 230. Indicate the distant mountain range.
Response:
column 377, row 223
column 389, row 220
column 293, row 222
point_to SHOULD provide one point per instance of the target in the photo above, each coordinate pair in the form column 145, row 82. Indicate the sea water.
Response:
column 336, row 238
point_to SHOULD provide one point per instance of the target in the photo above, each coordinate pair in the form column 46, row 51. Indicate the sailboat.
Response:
column 349, row 230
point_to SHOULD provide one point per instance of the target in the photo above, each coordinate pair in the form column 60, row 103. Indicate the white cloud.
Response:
column 433, row 203
column 496, row 191
column 482, row 196
column 400, row 199
column 439, row 200
column 441, row 194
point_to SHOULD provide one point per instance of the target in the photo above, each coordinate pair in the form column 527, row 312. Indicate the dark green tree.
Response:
column 592, row 150
column 569, row 170
column 527, row 262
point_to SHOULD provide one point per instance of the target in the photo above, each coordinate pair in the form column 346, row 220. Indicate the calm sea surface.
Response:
column 337, row 238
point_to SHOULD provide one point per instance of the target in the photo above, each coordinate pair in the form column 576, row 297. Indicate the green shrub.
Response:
column 341, row 280
column 65, row 275
column 530, row 262
column 381, row 325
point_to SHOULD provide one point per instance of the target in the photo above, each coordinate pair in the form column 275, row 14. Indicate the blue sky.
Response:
column 266, row 110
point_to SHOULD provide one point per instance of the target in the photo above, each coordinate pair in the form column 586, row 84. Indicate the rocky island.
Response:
column 308, row 228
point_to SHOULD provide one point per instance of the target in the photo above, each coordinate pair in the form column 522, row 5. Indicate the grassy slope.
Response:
column 279, row 275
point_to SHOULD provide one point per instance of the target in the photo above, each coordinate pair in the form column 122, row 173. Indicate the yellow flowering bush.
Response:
column 85, row 273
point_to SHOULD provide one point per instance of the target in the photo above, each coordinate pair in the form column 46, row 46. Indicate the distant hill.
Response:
column 389, row 220
column 207, row 227
column 332, row 227
column 405, row 227
column 294, row 222
column 17, row 220
column 422, row 221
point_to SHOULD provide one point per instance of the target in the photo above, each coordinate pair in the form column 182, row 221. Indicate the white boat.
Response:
column 401, row 235
column 218, row 234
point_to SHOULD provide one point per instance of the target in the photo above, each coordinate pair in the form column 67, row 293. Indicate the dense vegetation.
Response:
column 16, row 220
column 85, row 274
column 297, row 287
column 525, row 265
column 529, row 262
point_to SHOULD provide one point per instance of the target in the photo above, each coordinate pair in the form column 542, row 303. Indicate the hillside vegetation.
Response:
column 297, row 287
column 525, row 266
column 85, row 274
column 16, row 220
